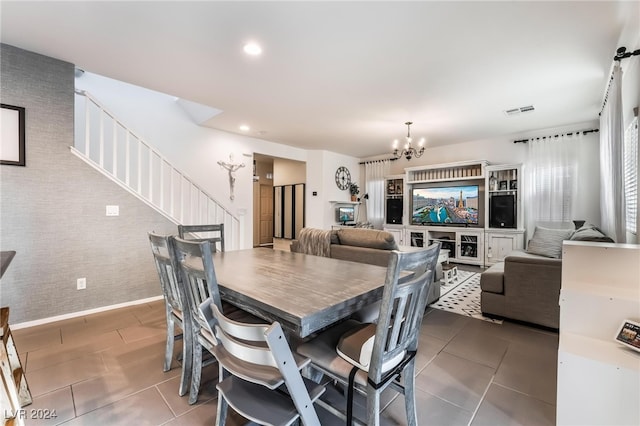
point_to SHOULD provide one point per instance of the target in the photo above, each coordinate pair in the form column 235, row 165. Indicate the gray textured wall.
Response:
column 52, row 212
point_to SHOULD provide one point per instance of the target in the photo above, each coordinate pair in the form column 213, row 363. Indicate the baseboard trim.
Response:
column 83, row 313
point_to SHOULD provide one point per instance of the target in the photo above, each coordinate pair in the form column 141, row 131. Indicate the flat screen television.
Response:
column 446, row 205
column 345, row 214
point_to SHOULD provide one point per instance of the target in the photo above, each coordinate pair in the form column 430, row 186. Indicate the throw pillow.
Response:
column 369, row 238
column 548, row 242
column 590, row 233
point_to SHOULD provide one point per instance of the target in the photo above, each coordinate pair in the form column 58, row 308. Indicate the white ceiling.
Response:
column 345, row 76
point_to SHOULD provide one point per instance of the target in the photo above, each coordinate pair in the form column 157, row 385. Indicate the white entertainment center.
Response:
column 486, row 236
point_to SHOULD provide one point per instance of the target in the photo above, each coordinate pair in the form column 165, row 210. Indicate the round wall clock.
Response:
column 343, row 177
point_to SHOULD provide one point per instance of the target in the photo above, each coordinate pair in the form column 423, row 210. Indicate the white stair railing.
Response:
column 106, row 144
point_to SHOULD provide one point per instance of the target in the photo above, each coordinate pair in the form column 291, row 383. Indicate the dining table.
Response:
column 304, row 293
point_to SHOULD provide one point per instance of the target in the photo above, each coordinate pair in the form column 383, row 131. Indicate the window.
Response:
column 631, row 175
column 552, row 178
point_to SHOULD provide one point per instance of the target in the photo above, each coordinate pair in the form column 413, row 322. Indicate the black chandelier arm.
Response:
column 408, row 153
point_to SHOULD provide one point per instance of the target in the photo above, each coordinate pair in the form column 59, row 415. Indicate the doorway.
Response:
column 271, row 173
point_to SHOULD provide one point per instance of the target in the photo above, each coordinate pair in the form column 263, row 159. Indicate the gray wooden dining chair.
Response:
column 195, row 260
column 213, row 233
column 368, row 358
column 175, row 306
column 259, row 375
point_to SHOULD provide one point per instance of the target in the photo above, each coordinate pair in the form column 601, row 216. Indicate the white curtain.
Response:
column 612, row 201
column 374, row 173
column 551, row 179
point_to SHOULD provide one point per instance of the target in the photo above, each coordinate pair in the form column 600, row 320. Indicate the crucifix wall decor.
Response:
column 231, row 168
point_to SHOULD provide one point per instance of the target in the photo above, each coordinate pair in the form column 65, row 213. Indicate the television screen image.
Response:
column 345, row 214
column 445, row 205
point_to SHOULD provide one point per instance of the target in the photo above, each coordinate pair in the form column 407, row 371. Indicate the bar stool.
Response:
column 449, row 273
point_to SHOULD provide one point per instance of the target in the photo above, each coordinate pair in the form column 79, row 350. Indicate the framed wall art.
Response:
column 12, row 139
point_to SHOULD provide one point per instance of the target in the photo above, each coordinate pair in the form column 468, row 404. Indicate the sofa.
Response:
column 526, row 286
column 353, row 244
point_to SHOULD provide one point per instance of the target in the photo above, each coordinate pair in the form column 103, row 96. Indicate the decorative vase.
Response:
column 493, row 183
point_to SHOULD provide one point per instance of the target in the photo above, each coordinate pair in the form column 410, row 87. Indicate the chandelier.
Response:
column 408, row 151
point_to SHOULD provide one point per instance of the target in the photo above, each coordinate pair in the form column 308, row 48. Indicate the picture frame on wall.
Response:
column 12, row 135
column 513, row 184
column 503, row 185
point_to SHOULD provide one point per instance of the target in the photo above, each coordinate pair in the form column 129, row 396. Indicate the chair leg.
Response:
column 187, row 358
column 168, row 352
column 196, row 371
column 221, row 415
column 410, row 394
column 373, row 407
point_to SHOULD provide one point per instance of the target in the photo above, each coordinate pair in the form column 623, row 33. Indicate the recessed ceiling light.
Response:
column 252, row 49
column 245, row 128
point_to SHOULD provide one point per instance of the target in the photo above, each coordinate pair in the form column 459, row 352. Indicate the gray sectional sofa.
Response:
column 353, row 244
column 526, row 286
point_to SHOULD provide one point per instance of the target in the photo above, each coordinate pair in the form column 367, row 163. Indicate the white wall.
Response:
column 320, row 212
column 158, row 119
column 288, row 172
column 162, row 123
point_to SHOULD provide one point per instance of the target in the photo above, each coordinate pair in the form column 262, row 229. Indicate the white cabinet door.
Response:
column 500, row 245
column 470, row 247
column 398, row 235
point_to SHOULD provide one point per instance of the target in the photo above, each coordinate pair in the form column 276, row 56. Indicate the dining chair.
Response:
column 175, row 306
column 195, row 261
column 259, row 375
column 368, row 358
column 203, row 233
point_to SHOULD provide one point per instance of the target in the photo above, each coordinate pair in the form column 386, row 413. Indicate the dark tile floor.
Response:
column 106, row 369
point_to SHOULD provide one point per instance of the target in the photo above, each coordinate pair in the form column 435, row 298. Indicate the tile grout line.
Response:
column 493, row 377
column 484, row 394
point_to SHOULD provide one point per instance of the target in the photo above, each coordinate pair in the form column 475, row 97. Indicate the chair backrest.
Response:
column 187, row 232
column 168, row 271
column 404, row 299
column 195, row 262
column 260, row 353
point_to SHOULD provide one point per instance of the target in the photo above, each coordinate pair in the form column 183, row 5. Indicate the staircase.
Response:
column 106, row 144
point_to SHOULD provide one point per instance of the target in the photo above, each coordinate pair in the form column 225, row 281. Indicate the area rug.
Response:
column 462, row 296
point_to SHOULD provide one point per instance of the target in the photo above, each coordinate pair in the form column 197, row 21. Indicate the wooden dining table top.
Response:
column 305, row 293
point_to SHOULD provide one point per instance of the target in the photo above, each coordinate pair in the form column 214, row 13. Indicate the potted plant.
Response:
column 354, row 190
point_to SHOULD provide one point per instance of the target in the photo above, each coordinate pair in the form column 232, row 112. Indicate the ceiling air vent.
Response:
column 516, row 111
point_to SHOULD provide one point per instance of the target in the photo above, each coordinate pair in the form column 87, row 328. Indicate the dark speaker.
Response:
column 502, row 211
column 394, row 210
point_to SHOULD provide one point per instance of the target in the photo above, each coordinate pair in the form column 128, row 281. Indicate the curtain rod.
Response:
column 584, row 132
column 621, row 53
column 377, row 161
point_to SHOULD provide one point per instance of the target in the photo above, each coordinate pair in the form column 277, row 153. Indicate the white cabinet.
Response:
column 503, row 197
column 460, row 171
column 598, row 379
column 394, row 200
column 398, row 235
column 499, row 244
column 464, row 245
column 470, row 247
